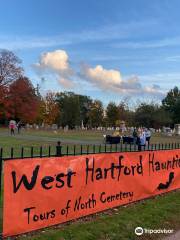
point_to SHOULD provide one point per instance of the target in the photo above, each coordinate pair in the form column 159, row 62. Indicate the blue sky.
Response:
column 106, row 49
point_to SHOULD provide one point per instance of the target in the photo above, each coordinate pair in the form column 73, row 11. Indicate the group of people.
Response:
column 13, row 126
column 141, row 137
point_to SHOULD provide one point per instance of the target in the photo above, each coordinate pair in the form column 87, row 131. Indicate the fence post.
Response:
column 74, row 150
column 94, row 149
column 67, row 150
column 32, row 152
column 111, row 148
column 40, row 152
column 121, row 145
column 22, row 152
column 12, row 153
column 100, row 148
column 49, row 151
column 125, row 147
column 58, row 149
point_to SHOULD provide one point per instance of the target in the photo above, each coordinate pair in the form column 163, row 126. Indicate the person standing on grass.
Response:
column 135, row 136
column 19, row 125
column 12, row 126
column 141, row 140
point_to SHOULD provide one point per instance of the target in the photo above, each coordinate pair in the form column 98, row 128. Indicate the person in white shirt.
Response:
column 142, row 139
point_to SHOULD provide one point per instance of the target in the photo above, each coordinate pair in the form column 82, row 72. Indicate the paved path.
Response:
column 175, row 236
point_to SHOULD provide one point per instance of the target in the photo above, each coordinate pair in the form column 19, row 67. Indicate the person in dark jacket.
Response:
column 135, row 136
column 19, row 125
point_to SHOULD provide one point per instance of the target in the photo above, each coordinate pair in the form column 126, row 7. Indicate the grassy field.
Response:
column 160, row 212
column 37, row 138
column 71, row 136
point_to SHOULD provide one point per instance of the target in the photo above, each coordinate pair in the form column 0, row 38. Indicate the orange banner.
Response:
column 46, row 191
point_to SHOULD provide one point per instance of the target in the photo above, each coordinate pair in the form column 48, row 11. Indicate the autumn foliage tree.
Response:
column 22, row 100
column 49, row 108
column 96, row 114
column 3, row 103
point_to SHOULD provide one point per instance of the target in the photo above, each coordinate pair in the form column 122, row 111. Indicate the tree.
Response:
column 84, row 105
column 151, row 115
column 169, row 101
column 161, row 117
column 144, row 115
column 112, row 114
column 176, row 113
column 171, row 104
column 70, row 109
column 9, row 67
column 96, row 114
column 22, row 100
column 123, row 109
column 3, row 104
column 49, row 108
column 9, row 72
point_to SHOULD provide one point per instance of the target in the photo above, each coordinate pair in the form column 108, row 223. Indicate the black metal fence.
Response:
column 71, row 150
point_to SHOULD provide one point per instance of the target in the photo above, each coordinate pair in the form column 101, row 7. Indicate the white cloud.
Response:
column 55, row 63
column 110, row 80
column 102, row 77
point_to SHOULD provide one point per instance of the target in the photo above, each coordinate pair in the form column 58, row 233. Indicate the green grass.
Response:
column 71, row 134
column 37, row 138
column 53, row 136
column 119, row 223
